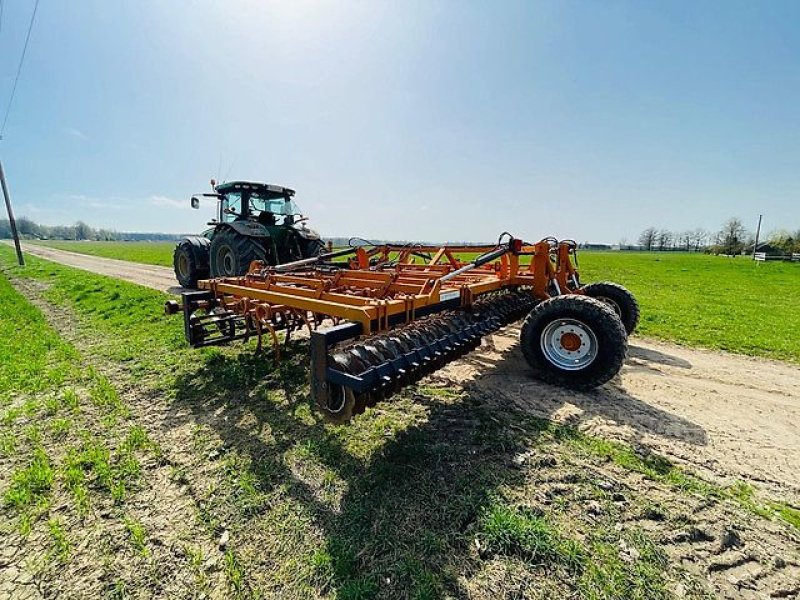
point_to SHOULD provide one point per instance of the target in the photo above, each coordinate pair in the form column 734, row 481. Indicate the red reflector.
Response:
column 516, row 245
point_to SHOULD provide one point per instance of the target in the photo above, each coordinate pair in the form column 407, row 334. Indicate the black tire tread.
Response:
column 607, row 326
column 622, row 296
column 196, row 270
column 246, row 250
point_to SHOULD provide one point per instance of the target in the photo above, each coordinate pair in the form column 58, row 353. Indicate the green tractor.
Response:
column 255, row 221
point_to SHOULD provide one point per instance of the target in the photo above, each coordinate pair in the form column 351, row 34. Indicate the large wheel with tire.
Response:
column 312, row 248
column 619, row 298
column 574, row 341
column 231, row 254
column 190, row 261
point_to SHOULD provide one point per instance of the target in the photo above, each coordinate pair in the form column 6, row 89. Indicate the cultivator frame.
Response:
column 381, row 317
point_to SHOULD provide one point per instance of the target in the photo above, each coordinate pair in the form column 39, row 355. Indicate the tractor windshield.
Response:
column 280, row 205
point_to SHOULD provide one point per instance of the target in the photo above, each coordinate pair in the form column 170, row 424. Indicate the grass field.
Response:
column 206, row 473
column 695, row 299
column 151, row 253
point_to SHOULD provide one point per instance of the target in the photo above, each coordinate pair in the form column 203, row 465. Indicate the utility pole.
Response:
column 11, row 220
column 758, row 233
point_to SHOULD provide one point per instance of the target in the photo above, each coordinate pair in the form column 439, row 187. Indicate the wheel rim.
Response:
column 337, row 398
column 228, row 265
column 569, row 344
column 612, row 303
column 183, row 265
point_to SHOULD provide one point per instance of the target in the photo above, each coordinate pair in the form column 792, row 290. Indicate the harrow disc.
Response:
column 390, row 361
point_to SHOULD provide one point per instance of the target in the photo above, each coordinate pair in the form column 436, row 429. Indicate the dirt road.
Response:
column 152, row 276
column 728, row 416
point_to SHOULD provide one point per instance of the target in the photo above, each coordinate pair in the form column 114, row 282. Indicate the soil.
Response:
column 727, row 416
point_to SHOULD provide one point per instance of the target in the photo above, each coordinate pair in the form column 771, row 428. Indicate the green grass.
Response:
column 31, row 485
column 151, row 253
column 33, row 358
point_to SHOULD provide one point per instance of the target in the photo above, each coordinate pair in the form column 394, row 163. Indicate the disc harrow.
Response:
column 390, row 315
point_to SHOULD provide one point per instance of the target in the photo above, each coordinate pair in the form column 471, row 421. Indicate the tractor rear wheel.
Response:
column 312, row 248
column 619, row 298
column 188, row 264
column 231, row 254
column 574, row 341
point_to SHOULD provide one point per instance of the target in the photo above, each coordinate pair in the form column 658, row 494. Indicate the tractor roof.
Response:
column 232, row 186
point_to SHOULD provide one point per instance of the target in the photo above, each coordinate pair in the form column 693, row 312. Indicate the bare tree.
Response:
column 685, row 240
column 732, row 236
column 664, row 238
column 648, row 238
column 699, row 238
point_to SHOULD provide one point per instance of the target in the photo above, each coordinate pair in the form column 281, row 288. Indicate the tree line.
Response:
column 732, row 238
column 31, row 230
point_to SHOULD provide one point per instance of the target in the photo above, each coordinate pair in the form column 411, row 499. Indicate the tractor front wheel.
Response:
column 231, row 254
column 619, row 298
column 574, row 341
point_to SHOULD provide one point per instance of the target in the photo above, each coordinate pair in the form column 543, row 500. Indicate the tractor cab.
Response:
column 254, row 222
column 264, row 203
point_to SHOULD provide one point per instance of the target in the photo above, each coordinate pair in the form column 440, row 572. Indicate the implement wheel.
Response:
column 619, row 298
column 341, row 406
column 231, row 254
column 574, row 341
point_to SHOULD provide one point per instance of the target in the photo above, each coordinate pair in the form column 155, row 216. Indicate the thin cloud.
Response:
column 76, row 133
column 165, row 201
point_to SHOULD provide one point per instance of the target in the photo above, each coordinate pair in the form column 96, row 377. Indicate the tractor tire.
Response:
column 574, row 341
column 190, row 261
column 312, row 248
column 619, row 298
column 231, row 254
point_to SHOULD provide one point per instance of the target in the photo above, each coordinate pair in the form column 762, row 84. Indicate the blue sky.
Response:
column 414, row 120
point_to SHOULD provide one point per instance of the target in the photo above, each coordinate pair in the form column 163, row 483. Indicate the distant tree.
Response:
column 28, row 228
column 664, row 239
column 83, row 231
column 647, row 238
column 684, row 240
column 783, row 239
column 5, row 229
column 699, row 238
column 732, row 236
column 623, row 243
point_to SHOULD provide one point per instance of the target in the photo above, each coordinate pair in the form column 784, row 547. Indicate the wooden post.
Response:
column 758, row 233
column 11, row 220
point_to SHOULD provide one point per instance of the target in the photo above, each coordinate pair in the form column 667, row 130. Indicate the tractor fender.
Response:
column 249, row 229
column 200, row 250
column 307, row 233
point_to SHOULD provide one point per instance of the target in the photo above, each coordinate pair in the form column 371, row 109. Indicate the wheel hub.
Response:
column 227, row 263
column 570, row 341
column 569, row 344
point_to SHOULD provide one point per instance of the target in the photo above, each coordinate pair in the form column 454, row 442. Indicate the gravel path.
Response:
column 152, row 276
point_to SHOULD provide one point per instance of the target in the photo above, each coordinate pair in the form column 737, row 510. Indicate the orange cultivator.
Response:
column 383, row 317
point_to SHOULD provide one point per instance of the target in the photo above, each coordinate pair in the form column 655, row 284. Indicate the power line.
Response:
column 19, row 69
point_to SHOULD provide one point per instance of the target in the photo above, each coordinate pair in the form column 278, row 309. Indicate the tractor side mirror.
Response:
column 195, row 202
